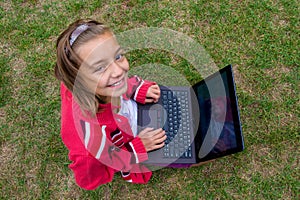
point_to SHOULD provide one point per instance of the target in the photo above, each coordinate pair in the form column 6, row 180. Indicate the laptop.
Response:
column 201, row 122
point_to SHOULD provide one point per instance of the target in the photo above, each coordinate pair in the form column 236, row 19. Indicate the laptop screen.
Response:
column 219, row 131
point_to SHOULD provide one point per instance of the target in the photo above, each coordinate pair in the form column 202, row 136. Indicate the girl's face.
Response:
column 104, row 67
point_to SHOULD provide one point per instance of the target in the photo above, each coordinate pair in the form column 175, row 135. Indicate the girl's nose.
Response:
column 116, row 69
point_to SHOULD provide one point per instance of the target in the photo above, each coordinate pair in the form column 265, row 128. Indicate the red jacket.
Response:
column 102, row 145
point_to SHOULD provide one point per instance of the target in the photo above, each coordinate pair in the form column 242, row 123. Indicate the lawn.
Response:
column 259, row 38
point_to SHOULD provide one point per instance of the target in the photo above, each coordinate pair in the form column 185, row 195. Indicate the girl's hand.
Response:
column 152, row 139
column 153, row 94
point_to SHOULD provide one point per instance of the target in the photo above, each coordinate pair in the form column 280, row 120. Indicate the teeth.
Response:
column 117, row 83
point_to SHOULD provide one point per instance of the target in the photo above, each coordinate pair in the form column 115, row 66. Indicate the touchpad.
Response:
column 150, row 118
column 151, row 115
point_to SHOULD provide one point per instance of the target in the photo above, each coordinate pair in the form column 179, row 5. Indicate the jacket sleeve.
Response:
column 95, row 156
column 108, row 147
column 138, row 174
column 92, row 168
column 137, row 89
column 89, row 173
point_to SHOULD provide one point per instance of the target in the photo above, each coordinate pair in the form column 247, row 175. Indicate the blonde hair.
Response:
column 68, row 62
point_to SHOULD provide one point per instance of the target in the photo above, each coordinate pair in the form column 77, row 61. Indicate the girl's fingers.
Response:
column 151, row 132
column 154, row 89
column 149, row 100
column 153, row 139
column 156, row 92
column 152, row 98
column 159, row 136
column 153, row 94
column 146, row 130
column 161, row 140
column 158, row 146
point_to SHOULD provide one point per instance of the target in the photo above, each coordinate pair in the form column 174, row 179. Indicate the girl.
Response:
column 98, row 110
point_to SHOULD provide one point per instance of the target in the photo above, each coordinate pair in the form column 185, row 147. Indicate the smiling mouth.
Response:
column 117, row 83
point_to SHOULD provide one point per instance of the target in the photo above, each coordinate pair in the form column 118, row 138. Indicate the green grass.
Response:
column 259, row 38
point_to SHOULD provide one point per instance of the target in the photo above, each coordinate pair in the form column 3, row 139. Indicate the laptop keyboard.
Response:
column 177, row 125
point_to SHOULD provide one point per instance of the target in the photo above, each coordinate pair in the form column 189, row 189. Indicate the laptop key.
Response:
column 177, row 153
column 176, row 106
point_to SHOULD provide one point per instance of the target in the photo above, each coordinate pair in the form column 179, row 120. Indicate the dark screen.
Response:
column 219, row 126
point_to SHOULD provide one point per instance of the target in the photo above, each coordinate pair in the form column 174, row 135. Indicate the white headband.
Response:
column 80, row 29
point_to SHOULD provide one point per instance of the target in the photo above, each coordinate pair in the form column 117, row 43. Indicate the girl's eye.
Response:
column 119, row 57
column 100, row 69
